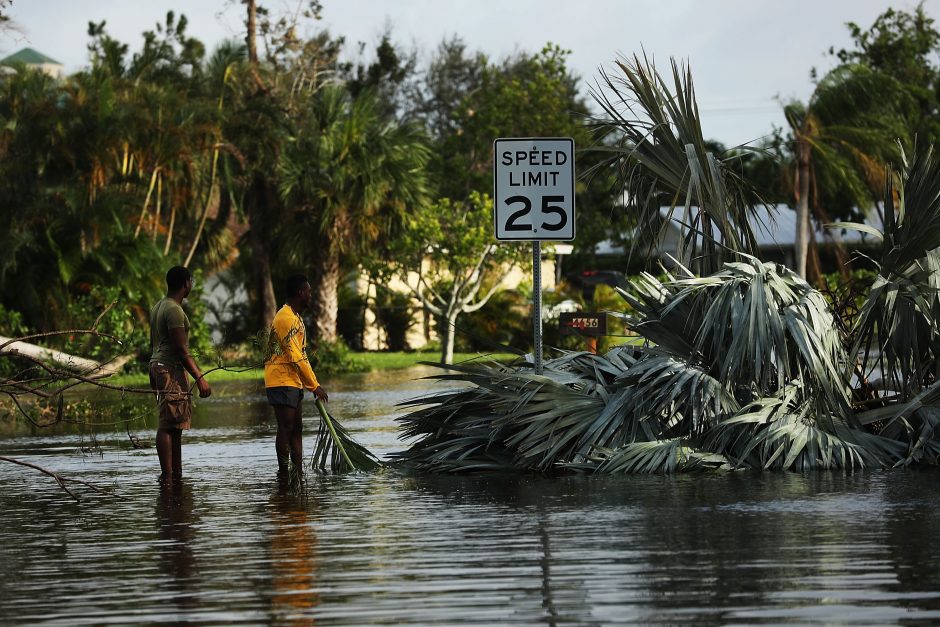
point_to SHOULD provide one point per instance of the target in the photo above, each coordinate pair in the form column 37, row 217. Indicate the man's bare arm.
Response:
column 180, row 342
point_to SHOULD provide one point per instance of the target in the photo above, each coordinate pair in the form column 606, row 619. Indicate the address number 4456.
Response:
column 512, row 223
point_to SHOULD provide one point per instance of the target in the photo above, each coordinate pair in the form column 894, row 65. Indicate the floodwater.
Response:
column 232, row 544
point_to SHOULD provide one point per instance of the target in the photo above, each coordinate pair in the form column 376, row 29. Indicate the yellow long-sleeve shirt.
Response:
column 291, row 367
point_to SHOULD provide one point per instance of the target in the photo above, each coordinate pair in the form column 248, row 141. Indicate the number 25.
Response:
column 547, row 207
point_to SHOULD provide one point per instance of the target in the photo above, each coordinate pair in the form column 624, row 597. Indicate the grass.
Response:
column 375, row 360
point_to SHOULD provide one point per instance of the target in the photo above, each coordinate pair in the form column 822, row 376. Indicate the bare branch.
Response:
column 94, row 327
column 62, row 480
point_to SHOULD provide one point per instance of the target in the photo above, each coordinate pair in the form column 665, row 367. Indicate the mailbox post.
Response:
column 589, row 324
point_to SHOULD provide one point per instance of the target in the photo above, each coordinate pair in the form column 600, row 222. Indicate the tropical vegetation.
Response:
column 252, row 161
column 744, row 364
column 259, row 160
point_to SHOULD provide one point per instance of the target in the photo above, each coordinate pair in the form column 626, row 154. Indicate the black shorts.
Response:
column 285, row 395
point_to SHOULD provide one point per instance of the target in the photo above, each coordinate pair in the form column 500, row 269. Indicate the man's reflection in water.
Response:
column 176, row 523
column 293, row 555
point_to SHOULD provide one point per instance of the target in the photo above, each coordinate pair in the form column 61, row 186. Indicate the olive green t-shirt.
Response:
column 165, row 315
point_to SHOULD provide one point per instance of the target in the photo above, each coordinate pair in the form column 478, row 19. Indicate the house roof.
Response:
column 29, row 57
column 773, row 226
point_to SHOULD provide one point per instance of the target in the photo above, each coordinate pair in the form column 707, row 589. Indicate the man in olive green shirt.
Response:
column 169, row 362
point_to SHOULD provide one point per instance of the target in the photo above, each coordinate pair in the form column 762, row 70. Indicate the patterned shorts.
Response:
column 173, row 396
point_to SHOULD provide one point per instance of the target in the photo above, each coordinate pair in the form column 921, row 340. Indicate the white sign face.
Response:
column 533, row 188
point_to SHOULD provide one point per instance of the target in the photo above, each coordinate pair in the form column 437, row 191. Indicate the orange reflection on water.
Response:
column 293, row 560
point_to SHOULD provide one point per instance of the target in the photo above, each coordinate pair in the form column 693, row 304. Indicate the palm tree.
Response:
column 65, row 195
column 662, row 158
column 841, row 141
column 350, row 174
column 897, row 331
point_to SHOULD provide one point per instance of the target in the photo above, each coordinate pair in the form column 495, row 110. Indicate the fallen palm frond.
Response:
column 336, row 450
column 741, row 369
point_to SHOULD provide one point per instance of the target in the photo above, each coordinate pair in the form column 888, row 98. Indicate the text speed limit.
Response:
column 533, row 183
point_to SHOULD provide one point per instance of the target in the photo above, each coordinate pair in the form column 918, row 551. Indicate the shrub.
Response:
column 336, row 358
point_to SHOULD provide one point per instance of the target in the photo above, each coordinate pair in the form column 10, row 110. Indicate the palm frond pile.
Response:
column 742, row 368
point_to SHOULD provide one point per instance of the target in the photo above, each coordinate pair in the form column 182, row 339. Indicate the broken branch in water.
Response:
column 63, row 480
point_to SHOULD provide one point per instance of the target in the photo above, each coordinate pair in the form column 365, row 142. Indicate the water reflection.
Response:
column 912, row 525
column 232, row 545
column 752, row 546
column 293, row 554
column 176, row 529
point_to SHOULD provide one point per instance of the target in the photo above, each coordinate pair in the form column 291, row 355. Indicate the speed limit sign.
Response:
column 533, row 188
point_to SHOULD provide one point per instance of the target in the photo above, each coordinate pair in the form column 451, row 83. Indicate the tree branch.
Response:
column 62, row 480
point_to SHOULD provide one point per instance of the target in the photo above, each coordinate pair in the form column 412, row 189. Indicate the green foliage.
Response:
column 524, row 96
column 853, row 124
column 504, row 321
column 847, row 295
column 448, row 259
column 455, row 236
column 352, row 177
column 741, row 369
column 124, row 313
column 336, row 358
column 200, row 333
column 11, row 321
column 350, row 323
column 903, row 45
column 391, row 74
column 120, row 313
column 897, row 328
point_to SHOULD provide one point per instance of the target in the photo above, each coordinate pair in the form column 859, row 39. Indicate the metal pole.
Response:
column 537, row 302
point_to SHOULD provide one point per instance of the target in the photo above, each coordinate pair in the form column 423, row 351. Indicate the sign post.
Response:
column 533, row 200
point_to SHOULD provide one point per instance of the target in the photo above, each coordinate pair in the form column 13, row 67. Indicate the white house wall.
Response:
column 417, row 335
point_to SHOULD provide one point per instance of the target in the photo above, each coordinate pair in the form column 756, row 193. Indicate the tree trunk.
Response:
column 801, row 243
column 261, row 267
column 325, row 292
column 252, row 28
column 448, row 338
column 260, row 255
column 86, row 367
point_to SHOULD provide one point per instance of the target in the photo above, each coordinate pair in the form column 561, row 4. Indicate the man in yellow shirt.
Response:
column 287, row 372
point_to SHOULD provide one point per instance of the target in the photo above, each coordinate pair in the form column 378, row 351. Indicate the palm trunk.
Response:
column 205, row 210
column 143, row 211
column 801, row 243
column 326, row 291
column 156, row 210
column 251, row 24
column 262, row 271
column 260, row 255
column 169, row 234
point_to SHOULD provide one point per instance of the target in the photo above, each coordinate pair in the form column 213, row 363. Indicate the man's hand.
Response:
column 204, row 389
column 321, row 394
